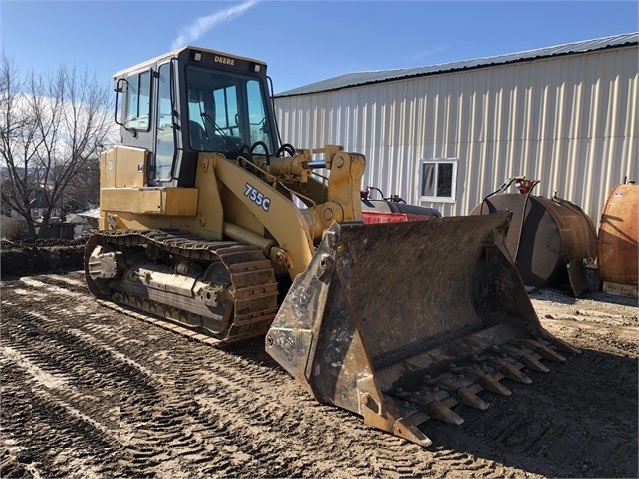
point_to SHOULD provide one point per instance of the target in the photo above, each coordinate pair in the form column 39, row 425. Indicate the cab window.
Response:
column 138, row 101
column 165, row 146
column 226, row 111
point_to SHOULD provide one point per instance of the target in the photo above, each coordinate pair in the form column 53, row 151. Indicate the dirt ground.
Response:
column 89, row 392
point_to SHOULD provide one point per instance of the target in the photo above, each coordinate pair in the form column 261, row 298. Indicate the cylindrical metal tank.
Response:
column 619, row 240
column 544, row 235
column 395, row 207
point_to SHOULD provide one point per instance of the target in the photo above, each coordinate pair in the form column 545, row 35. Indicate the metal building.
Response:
column 445, row 136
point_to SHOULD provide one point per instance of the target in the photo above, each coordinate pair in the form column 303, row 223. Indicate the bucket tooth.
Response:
column 486, row 375
column 470, row 399
column 565, row 347
column 513, row 372
column 506, row 364
column 524, row 354
column 399, row 417
column 406, row 429
column 464, row 386
column 545, row 351
column 439, row 411
column 494, row 386
column 533, row 364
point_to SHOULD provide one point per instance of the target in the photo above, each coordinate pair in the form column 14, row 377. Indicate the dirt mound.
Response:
column 41, row 255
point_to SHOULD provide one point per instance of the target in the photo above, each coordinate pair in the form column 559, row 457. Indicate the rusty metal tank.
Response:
column 619, row 241
column 546, row 238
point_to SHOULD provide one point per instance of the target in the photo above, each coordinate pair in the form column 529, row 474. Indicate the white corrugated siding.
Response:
column 569, row 121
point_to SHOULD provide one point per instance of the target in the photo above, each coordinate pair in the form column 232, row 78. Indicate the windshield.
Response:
column 226, row 111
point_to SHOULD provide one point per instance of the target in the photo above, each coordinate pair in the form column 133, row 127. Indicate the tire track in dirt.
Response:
column 171, row 407
column 34, row 419
column 86, row 366
column 229, row 377
column 101, row 383
column 339, row 431
column 223, row 366
column 82, row 360
column 247, row 407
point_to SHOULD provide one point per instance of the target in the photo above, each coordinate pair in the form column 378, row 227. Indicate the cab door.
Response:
column 166, row 137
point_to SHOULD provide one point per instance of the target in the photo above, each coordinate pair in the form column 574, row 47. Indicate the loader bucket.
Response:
column 400, row 322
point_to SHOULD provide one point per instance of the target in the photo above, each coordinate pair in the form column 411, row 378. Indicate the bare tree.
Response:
column 51, row 129
column 84, row 191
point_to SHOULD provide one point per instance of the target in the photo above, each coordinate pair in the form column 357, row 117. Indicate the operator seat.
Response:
column 197, row 135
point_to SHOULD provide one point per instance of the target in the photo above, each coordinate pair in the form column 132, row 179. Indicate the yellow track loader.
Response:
column 210, row 222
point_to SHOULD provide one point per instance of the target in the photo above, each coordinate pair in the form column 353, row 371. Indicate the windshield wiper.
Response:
column 206, row 117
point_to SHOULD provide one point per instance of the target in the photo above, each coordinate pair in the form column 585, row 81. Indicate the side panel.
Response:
column 197, row 210
column 124, row 166
column 151, row 201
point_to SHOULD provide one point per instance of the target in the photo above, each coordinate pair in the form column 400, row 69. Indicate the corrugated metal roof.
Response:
column 362, row 78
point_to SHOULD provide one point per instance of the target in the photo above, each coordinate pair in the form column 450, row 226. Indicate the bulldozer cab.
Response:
column 189, row 101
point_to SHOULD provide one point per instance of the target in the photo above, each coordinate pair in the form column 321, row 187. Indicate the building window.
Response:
column 437, row 180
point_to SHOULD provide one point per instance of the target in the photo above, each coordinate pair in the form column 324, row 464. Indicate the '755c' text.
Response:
column 256, row 197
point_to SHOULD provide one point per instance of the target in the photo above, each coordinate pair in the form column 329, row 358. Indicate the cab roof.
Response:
column 174, row 53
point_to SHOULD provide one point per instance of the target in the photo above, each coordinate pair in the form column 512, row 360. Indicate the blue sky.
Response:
column 302, row 41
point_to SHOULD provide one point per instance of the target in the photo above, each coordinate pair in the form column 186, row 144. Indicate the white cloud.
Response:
column 203, row 24
column 428, row 53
